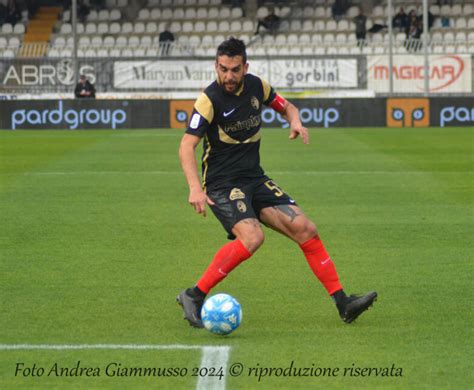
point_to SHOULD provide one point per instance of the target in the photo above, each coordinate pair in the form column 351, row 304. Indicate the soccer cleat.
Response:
column 192, row 308
column 356, row 305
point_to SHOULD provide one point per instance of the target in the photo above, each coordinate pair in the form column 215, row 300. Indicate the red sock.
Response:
column 225, row 260
column 321, row 264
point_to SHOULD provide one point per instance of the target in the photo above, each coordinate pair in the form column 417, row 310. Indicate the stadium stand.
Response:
column 307, row 27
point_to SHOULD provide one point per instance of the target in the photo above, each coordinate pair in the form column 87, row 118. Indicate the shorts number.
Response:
column 273, row 187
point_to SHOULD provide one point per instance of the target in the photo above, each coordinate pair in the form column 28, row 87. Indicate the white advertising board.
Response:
column 282, row 74
column 447, row 73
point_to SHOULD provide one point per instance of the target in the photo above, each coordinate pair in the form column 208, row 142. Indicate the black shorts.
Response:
column 245, row 199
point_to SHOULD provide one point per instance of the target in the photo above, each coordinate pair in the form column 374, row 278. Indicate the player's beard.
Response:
column 233, row 85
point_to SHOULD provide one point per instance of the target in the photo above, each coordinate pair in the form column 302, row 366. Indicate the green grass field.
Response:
column 97, row 239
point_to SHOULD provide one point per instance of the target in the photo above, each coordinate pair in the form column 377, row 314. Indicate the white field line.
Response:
column 4, row 347
column 212, row 356
column 309, row 173
column 73, row 133
column 177, row 134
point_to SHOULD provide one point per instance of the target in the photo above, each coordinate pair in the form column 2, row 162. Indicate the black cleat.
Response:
column 192, row 308
column 356, row 305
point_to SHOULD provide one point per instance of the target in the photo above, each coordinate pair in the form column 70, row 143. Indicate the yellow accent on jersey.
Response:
column 204, row 161
column 204, row 106
column 240, row 90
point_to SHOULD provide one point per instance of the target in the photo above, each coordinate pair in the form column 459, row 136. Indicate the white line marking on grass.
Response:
column 212, row 356
column 80, row 134
column 316, row 173
column 370, row 172
column 97, row 346
column 177, row 134
column 85, row 173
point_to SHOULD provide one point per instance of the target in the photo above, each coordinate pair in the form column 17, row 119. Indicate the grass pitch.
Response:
column 97, row 239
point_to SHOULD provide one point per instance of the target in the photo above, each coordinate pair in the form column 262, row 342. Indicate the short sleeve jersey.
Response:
column 230, row 125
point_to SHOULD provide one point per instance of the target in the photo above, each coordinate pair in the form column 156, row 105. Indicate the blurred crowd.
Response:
column 11, row 11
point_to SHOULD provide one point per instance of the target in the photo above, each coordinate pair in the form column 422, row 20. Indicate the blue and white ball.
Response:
column 221, row 314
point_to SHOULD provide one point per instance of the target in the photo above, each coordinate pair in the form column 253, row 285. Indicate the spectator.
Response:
column 413, row 41
column 282, row 3
column 400, row 20
column 166, row 39
column 412, row 18
column 431, row 19
column 377, row 27
column 360, row 28
column 445, row 22
column 82, row 11
column 237, row 3
column 13, row 13
column 339, row 9
column 3, row 13
column 271, row 22
column 84, row 88
column 98, row 4
column 32, row 7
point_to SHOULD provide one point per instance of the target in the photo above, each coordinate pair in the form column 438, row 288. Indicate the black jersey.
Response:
column 230, row 125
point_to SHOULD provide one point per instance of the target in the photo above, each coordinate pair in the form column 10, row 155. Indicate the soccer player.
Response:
column 228, row 116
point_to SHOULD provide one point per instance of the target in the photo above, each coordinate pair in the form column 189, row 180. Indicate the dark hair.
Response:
column 232, row 47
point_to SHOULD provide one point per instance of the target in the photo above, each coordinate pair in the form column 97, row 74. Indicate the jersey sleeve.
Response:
column 202, row 116
column 268, row 92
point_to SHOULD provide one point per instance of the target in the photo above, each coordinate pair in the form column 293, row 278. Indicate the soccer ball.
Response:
column 221, row 314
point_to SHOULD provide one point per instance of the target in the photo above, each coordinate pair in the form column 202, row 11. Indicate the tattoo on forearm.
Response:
column 287, row 210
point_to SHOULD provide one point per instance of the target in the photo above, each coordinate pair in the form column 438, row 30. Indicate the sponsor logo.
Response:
column 408, row 112
column 248, row 124
column 456, row 114
column 241, row 206
column 180, row 112
column 304, row 73
column 325, row 261
column 226, row 114
column 194, row 124
column 308, row 116
column 176, row 75
column 222, row 272
column 270, row 68
column 443, row 72
column 73, row 118
column 236, row 193
column 60, row 74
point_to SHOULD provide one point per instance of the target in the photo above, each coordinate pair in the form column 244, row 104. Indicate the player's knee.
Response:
column 304, row 230
column 310, row 229
column 254, row 240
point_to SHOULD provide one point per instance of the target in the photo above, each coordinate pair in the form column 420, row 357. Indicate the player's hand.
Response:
column 299, row 130
column 198, row 199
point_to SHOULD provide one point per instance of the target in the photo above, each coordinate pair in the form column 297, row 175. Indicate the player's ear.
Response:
column 246, row 67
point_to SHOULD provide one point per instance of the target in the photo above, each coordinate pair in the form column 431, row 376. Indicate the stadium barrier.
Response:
column 167, row 78
column 157, row 114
